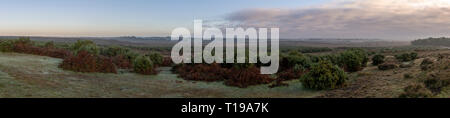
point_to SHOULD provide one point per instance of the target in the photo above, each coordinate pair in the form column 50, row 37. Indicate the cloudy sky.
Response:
column 385, row 19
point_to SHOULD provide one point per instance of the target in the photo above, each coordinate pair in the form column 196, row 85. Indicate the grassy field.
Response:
column 33, row 76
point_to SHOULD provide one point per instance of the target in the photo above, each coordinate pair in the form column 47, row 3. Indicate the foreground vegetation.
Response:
column 347, row 72
column 86, row 56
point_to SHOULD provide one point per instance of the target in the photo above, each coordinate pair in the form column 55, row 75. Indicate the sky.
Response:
column 385, row 19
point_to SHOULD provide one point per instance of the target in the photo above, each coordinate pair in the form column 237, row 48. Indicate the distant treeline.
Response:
column 443, row 41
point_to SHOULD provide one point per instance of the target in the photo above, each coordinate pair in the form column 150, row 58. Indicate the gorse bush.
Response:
column 143, row 65
column 114, row 51
column 406, row 57
column 49, row 44
column 157, row 58
column 85, row 45
column 295, row 58
column 122, row 57
column 353, row 59
column 24, row 40
column 378, row 59
column 6, row 45
column 324, row 75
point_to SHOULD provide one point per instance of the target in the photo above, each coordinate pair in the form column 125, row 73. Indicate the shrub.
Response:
column 167, row 61
column 295, row 58
column 56, row 53
column 6, row 46
column 436, row 84
column 22, row 46
column 143, row 65
column 293, row 73
column 246, row 77
column 122, row 62
column 49, row 44
column 416, row 91
column 427, row 64
column 408, row 75
column 85, row 45
column 353, row 60
column 24, row 40
column 87, row 62
column 25, row 45
column 324, row 75
column 387, row 66
column 105, row 65
column 156, row 58
column 378, row 59
column 114, row 51
column 122, row 57
column 202, row 72
column 330, row 57
column 406, row 57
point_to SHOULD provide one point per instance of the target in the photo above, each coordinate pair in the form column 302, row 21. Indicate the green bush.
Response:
column 157, row 58
column 353, row 59
column 416, row 91
column 378, row 59
column 143, row 65
column 24, row 40
column 295, row 58
column 85, row 45
column 6, row 46
column 114, row 51
column 49, row 44
column 324, row 75
column 406, row 57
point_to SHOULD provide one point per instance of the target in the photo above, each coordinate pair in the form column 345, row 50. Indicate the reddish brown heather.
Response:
column 86, row 62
